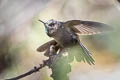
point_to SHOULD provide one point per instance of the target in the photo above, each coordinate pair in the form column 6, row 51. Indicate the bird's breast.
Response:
column 64, row 38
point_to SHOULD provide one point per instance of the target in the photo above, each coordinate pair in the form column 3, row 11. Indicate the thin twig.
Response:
column 36, row 69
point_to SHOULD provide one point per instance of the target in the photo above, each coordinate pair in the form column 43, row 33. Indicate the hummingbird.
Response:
column 66, row 35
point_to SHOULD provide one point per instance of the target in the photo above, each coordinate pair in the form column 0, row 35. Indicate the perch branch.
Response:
column 52, row 57
column 35, row 69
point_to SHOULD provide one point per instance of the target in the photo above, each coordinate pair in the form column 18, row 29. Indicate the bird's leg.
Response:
column 50, row 51
column 55, row 52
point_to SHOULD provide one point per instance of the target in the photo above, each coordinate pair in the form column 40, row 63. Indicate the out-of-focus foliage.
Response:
column 60, row 69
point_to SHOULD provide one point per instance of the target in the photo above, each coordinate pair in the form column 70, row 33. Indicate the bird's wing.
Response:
column 86, row 56
column 86, row 27
column 46, row 46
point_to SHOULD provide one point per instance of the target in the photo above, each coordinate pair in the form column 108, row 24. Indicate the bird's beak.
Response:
column 42, row 22
column 46, row 29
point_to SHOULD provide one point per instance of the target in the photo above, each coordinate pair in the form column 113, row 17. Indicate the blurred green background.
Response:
column 21, row 34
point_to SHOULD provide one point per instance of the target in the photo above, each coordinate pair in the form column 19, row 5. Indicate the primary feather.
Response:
column 86, row 27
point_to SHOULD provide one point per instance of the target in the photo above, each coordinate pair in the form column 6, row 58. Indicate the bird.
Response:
column 66, row 35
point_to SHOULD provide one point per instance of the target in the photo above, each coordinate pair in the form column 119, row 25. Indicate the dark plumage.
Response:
column 66, row 36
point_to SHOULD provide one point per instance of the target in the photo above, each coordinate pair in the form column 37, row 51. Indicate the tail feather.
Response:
column 87, row 56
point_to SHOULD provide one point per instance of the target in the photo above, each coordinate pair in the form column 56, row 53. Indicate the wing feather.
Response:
column 46, row 45
column 86, row 55
column 87, row 27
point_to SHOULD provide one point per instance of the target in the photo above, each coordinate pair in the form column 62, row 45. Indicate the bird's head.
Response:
column 51, row 26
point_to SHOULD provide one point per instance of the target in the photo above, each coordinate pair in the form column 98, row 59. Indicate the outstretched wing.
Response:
column 86, row 27
column 46, row 46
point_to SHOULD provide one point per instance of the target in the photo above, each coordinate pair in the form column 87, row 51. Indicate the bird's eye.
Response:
column 52, row 24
